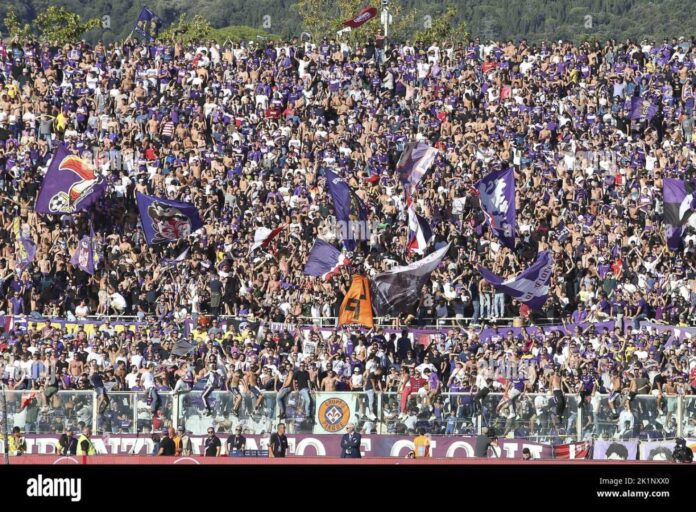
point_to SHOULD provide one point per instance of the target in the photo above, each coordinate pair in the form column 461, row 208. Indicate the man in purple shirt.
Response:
column 16, row 304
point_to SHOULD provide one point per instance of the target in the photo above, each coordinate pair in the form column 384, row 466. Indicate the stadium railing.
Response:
column 443, row 413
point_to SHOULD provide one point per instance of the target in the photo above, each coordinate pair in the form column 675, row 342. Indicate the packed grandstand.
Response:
column 184, row 229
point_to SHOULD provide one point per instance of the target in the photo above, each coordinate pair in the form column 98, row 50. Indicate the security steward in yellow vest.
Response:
column 84, row 443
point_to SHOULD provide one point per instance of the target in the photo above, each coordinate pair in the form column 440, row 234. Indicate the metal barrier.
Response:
column 535, row 416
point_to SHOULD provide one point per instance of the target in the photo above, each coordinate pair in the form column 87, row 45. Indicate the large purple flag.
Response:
column 350, row 210
column 643, row 109
column 148, row 24
column 531, row 286
column 325, row 260
column 497, row 195
column 83, row 257
column 70, row 185
column 165, row 220
column 26, row 249
column 678, row 207
column 413, row 164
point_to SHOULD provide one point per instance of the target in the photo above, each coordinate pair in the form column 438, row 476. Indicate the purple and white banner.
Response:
column 568, row 329
column 531, row 286
column 322, row 445
column 497, row 196
column 615, row 450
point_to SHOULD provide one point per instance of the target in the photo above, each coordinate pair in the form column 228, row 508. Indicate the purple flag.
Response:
column 148, row 24
column 70, row 185
column 165, row 220
column 531, row 286
column 678, row 207
column 419, row 232
column 497, row 195
column 350, row 210
column 413, row 164
column 325, row 260
column 643, row 109
column 26, row 249
column 173, row 262
column 83, row 257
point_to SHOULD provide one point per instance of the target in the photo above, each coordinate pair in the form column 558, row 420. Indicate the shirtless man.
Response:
column 615, row 392
column 238, row 388
column 251, row 380
column 76, row 368
column 328, row 383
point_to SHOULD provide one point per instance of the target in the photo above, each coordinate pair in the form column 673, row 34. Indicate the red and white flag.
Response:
column 264, row 236
column 365, row 15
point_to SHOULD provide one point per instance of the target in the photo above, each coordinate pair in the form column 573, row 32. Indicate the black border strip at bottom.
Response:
column 626, row 484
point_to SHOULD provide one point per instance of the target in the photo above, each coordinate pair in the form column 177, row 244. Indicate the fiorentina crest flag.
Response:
column 350, row 210
column 325, row 261
column 413, row 164
column 678, row 199
column 419, row 232
column 356, row 308
column 83, row 258
column 165, row 220
column 497, row 195
column 399, row 289
column 531, row 286
column 148, row 24
column 642, row 109
column 70, row 185
column 25, row 247
column 365, row 15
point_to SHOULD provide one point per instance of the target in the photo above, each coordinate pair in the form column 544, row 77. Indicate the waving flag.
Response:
column 531, row 286
column 356, row 308
column 678, row 207
column 173, row 262
column 350, row 210
column 165, row 220
column 497, row 195
column 70, row 185
column 263, row 237
column 25, row 247
column 148, row 24
column 364, row 15
column 419, row 232
column 325, row 260
column 399, row 289
column 83, row 257
column 413, row 164
column 643, row 109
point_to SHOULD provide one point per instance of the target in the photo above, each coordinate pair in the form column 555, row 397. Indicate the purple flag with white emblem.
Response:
column 83, row 257
column 678, row 207
column 325, row 260
column 531, row 286
column 642, row 109
column 350, row 210
column 165, row 220
column 25, row 247
column 497, row 195
column 413, row 164
column 71, row 185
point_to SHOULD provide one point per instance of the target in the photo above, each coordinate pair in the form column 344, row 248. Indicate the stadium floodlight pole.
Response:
column 385, row 17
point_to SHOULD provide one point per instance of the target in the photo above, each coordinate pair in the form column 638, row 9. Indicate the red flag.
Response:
column 572, row 451
column 365, row 15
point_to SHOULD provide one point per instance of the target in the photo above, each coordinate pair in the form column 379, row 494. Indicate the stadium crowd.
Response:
column 244, row 132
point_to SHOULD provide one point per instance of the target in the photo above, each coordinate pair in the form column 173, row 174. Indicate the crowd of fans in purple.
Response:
column 243, row 132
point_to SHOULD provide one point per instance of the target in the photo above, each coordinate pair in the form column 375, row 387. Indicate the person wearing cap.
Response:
column 350, row 443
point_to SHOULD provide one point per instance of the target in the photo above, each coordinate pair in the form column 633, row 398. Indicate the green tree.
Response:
column 14, row 25
column 324, row 18
column 445, row 28
column 196, row 29
column 57, row 24
column 237, row 33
